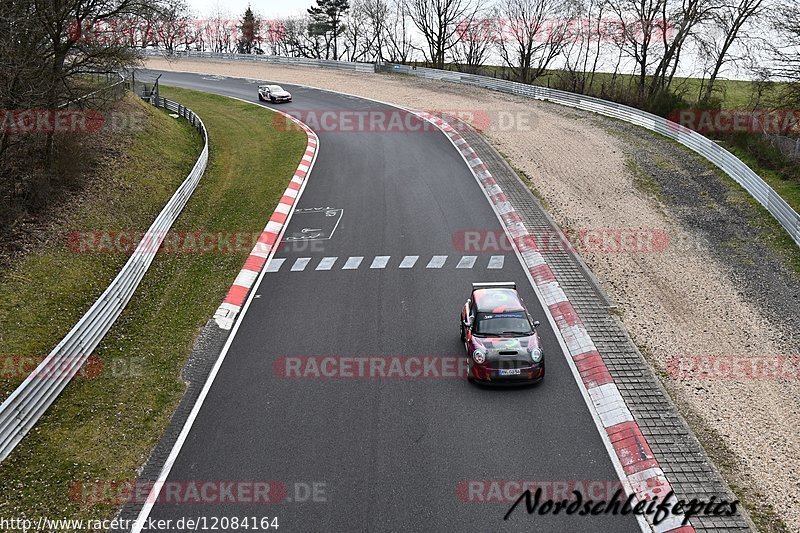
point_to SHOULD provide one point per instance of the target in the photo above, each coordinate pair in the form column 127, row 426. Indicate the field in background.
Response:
column 781, row 172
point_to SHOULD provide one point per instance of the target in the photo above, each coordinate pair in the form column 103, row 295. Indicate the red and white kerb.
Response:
column 640, row 466
column 270, row 237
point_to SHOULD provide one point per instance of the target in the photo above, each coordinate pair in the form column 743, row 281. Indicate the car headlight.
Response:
column 479, row 357
column 536, row 355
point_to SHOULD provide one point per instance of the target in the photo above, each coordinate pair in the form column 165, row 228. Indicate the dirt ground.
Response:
column 683, row 300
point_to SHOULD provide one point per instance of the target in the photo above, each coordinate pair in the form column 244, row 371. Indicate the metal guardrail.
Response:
column 117, row 88
column 23, row 407
column 278, row 60
column 723, row 159
column 716, row 154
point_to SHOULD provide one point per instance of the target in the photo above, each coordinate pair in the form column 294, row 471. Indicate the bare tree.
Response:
column 47, row 47
column 787, row 54
column 219, row 30
column 438, row 20
column 274, row 36
column 173, row 25
column 681, row 23
column 585, row 41
column 477, row 35
column 377, row 16
column 289, row 35
column 532, row 33
column 399, row 44
column 640, row 22
column 729, row 26
column 358, row 36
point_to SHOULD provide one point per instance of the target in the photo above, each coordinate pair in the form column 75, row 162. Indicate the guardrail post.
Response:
column 20, row 411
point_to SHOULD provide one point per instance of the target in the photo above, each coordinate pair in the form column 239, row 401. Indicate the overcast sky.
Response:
column 263, row 8
column 267, row 9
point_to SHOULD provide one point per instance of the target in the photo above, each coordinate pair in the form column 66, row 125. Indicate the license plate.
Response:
column 509, row 372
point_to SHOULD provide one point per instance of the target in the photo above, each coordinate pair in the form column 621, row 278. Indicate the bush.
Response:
column 665, row 102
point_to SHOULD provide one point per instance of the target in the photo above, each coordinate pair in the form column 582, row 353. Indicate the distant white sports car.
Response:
column 273, row 93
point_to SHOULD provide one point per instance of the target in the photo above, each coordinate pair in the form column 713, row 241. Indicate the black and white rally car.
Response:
column 274, row 94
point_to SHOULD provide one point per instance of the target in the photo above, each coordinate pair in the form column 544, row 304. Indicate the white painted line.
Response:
column 409, row 261
column 437, row 261
column 326, row 263
column 468, row 261
column 300, row 264
column 612, row 454
column 152, row 497
column 276, row 264
column 454, row 139
column 341, row 214
column 496, row 262
column 353, row 263
column 380, row 261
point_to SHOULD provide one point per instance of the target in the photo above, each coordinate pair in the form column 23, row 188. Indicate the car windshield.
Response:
column 275, row 88
column 504, row 324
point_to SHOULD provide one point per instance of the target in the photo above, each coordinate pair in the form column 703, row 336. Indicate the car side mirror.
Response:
column 536, row 324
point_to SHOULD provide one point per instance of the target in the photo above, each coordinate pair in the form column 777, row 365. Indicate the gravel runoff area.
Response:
column 715, row 290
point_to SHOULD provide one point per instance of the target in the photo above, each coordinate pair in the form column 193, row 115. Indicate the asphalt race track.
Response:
column 386, row 454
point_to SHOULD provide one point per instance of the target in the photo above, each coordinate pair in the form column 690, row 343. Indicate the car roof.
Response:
column 496, row 300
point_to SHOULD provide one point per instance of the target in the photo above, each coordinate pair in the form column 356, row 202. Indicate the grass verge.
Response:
column 787, row 186
column 104, row 428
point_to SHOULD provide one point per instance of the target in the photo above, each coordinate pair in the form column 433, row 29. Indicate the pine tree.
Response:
column 249, row 31
column 326, row 20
